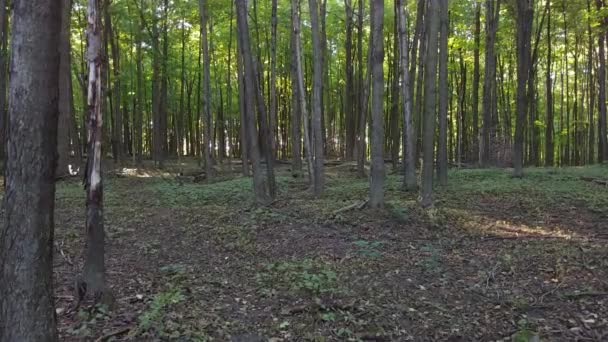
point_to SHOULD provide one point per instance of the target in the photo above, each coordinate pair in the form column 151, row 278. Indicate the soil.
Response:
column 190, row 261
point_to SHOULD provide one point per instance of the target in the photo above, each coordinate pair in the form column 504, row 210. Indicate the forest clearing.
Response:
column 499, row 258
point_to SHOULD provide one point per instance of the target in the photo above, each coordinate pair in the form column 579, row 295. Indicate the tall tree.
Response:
column 409, row 148
column 549, row 152
column 524, row 13
column 261, row 194
column 26, row 236
column 93, row 278
column 376, row 198
column 430, row 88
column 487, row 148
column 206, row 89
column 475, row 85
column 66, row 110
column 4, row 33
column 317, row 131
column 442, row 148
column 601, row 78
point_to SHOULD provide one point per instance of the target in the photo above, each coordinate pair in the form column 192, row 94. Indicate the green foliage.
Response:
column 312, row 277
column 369, row 249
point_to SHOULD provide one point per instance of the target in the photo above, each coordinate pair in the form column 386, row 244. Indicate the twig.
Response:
column 585, row 294
column 356, row 205
column 113, row 333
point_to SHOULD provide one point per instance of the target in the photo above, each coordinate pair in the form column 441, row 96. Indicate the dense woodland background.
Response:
column 172, row 75
column 332, row 107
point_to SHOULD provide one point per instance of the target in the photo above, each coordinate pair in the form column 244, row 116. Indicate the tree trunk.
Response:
column 442, row 146
column 349, row 106
column 317, row 131
column 430, row 87
column 487, row 148
column 206, row 90
column 524, row 15
column 601, row 77
column 409, row 147
column 376, row 198
column 296, row 118
column 117, row 133
column 476, row 75
column 259, row 187
column 549, row 153
column 93, row 279
column 4, row 61
column 65, row 92
column 301, row 90
column 26, row 236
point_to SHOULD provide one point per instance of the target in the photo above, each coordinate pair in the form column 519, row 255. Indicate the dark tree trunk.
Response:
column 476, row 75
column 601, row 78
column 430, row 87
column 4, row 33
column 549, row 153
column 26, row 237
column 65, row 92
column 524, row 15
column 442, row 146
column 259, row 187
column 376, row 198
column 317, row 128
column 296, row 118
column 409, row 141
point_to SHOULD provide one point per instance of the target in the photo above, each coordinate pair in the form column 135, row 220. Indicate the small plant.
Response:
column 299, row 276
column 369, row 248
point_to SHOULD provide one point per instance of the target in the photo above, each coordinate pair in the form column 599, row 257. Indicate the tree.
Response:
column 66, row 110
column 487, row 148
column 206, row 90
column 259, row 187
column 93, row 278
column 317, row 131
column 26, row 237
column 524, row 15
column 601, row 77
column 430, row 88
column 442, row 148
column 409, row 149
column 549, row 153
column 376, row 198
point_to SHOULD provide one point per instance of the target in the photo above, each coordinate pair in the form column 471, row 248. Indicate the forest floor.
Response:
column 496, row 259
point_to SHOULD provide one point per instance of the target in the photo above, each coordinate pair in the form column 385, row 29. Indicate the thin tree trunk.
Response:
column 442, row 146
column 206, row 90
column 93, row 278
column 302, row 90
column 525, row 14
column 430, row 87
column 296, row 118
column 476, row 76
column 65, row 91
column 26, row 236
column 549, row 153
column 601, row 77
column 317, row 129
column 259, row 187
column 376, row 198
column 409, row 147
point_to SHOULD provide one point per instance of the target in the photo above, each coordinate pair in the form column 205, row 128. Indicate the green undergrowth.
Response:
column 540, row 185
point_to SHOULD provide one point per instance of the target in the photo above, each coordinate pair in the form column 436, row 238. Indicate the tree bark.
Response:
column 26, row 236
column 317, row 130
column 409, row 141
column 65, row 92
column 601, row 77
column 93, row 278
column 430, row 88
column 376, row 198
column 549, row 152
column 476, row 75
column 524, row 16
column 259, row 187
column 442, row 146
column 296, row 117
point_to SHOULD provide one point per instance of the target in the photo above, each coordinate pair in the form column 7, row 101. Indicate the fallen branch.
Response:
column 356, row 205
column 585, row 294
column 595, row 180
column 113, row 333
